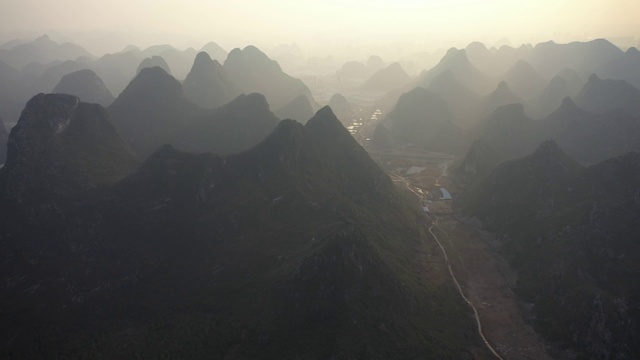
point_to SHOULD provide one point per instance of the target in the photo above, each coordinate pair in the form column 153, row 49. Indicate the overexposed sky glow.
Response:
column 296, row 20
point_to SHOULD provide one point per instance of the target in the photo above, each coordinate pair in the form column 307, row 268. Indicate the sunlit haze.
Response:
column 321, row 24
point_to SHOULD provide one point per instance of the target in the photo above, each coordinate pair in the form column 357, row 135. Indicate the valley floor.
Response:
column 488, row 281
column 485, row 278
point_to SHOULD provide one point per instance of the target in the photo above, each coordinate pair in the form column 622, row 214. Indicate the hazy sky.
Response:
column 284, row 21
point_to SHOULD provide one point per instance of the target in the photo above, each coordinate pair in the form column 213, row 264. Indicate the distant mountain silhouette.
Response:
column 389, row 78
column 524, row 80
column 152, row 106
column 353, row 70
column 457, row 62
column 117, row 70
column 53, row 74
column 478, row 54
column 495, row 61
column 574, row 81
column 550, row 98
column 461, row 100
column 375, row 63
column 208, row 84
column 298, row 109
column 252, row 71
column 214, row 51
column 61, row 146
column 626, row 67
column 152, row 62
column 424, row 119
column 86, row 85
column 561, row 118
column 585, row 136
column 42, row 50
column 13, row 93
column 10, row 81
column 586, row 57
column 510, row 131
column 179, row 61
column 502, row 95
column 602, row 95
column 341, row 108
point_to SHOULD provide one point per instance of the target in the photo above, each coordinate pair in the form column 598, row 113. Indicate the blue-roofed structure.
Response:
column 445, row 194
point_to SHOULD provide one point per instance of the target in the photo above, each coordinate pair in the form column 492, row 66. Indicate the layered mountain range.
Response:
column 25, row 70
column 87, row 85
column 298, row 247
column 600, row 123
column 154, row 204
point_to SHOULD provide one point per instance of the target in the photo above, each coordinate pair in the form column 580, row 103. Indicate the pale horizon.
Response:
column 320, row 27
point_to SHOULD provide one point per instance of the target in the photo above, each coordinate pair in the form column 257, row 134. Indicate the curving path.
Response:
column 453, row 276
column 455, row 280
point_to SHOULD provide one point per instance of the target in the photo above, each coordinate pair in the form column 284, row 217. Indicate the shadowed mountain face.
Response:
column 52, row 76
column 585, row 136
column 571, row 233
column 302, row 237
column 231, row 128
column 480, row 160
column 13, row 92
column 341, row 108
column 501, row 96
column 153, row 111
column 208, row 84
column 4, row 136
column 86, row 85
column 550, row 98
column 461, row 100
column 524, row 80
column 61, row 146
column 152, row 106
column 537, row 176
column 423, row 118
column 252, row 71
column 510, row 131
column 601, row 136
column 600, row 96
column 298, row 109
column 574, row 81
column 382, row 138
column 623, row 68
column 241, row 236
